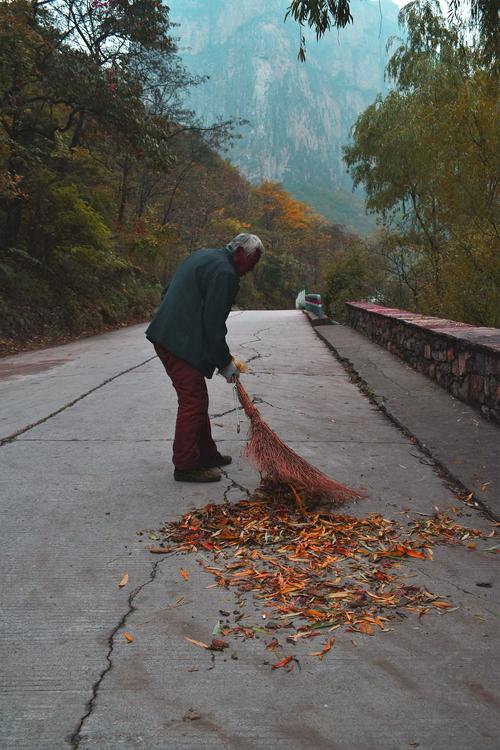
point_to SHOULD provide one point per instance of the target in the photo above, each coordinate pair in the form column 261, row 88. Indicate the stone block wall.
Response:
column 461, row 358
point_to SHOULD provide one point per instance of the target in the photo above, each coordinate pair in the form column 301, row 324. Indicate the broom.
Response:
column 280, row 465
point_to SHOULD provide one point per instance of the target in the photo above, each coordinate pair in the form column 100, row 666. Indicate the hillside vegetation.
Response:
column 107, row 181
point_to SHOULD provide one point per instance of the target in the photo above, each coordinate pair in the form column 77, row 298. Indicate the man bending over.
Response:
column 188, row 333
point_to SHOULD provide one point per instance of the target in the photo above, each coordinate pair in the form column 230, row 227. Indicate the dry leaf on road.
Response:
column 339, row 594
column 282, row 662
column 159, row 550
column 218, row 644
column 196, row 643
column 323, row 569
column 326, row 648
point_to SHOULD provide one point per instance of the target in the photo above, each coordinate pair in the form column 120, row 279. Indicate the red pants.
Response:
column 193, row 442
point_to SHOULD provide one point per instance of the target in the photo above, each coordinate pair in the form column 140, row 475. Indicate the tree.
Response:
column 94, row 143
column 321, row 15
column 427, row 155
column 354, row 274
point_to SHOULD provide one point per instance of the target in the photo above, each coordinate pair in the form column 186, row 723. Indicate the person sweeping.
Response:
column 188, row 333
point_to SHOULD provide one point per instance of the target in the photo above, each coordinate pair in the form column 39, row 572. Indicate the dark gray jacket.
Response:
column 191, row 319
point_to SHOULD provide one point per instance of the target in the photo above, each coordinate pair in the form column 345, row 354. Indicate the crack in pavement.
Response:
column 256, row 400
column 223, row 413
column 251, row 359
column 74, row 739
column 259, row 400
column 246, row 344
column 234, row 485
column 256, row 356
column 14, row 435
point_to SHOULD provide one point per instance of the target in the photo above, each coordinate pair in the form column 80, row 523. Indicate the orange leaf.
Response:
column 282, row 662
column 128, row 637
column 124, row 581
column 442, row 605
column 243, row 573
column 196, row 643
column 416, row 553
column 184, row 574
column 326, row 648
column 366, row 628
column 273, row 645
column 313, row 613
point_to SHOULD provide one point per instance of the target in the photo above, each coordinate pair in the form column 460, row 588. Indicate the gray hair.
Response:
column 249, row 242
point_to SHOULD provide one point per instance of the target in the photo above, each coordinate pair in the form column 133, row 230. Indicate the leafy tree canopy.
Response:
column 427, row 156
column 322, row 15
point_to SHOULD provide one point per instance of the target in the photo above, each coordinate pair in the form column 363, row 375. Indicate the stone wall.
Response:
column 461, row 358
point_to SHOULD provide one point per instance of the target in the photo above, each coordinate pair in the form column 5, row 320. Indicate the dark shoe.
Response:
column 216, row 460
column 196, row 475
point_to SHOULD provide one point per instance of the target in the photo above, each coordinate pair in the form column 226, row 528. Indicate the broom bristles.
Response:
column 279, row 464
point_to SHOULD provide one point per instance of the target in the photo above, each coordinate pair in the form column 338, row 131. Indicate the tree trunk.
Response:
column 123, row 193
column 77, row 132
column 12, row 223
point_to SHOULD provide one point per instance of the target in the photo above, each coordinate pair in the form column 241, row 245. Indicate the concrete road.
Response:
column 95, row 469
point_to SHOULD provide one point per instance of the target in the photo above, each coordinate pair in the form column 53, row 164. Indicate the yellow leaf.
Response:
column 442, row 605
column 196, row 643
column 339, row 594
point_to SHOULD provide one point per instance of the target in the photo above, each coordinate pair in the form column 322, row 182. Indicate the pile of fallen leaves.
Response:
column 315, row 570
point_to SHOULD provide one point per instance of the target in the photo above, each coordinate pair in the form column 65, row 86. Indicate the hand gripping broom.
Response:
column 279, row 465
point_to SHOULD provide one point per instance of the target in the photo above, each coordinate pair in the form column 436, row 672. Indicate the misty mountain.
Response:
column 299, row 114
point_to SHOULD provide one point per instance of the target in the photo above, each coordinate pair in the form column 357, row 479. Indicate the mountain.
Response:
column 299, row 114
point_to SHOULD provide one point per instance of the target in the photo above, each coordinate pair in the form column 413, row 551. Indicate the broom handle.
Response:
column 235, row 400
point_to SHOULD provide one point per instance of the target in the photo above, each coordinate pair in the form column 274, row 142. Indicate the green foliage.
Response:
column 321, row 15
column 107, row 181
column 354, row 274
column 427, row 155
column 72, row 222
column 91, row 133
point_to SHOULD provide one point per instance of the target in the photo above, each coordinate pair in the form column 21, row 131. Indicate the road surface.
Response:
column 90, row 467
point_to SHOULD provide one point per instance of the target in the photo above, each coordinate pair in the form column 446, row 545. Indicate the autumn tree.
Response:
column 427, row 155
column 92, row 128
column 107, row 180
